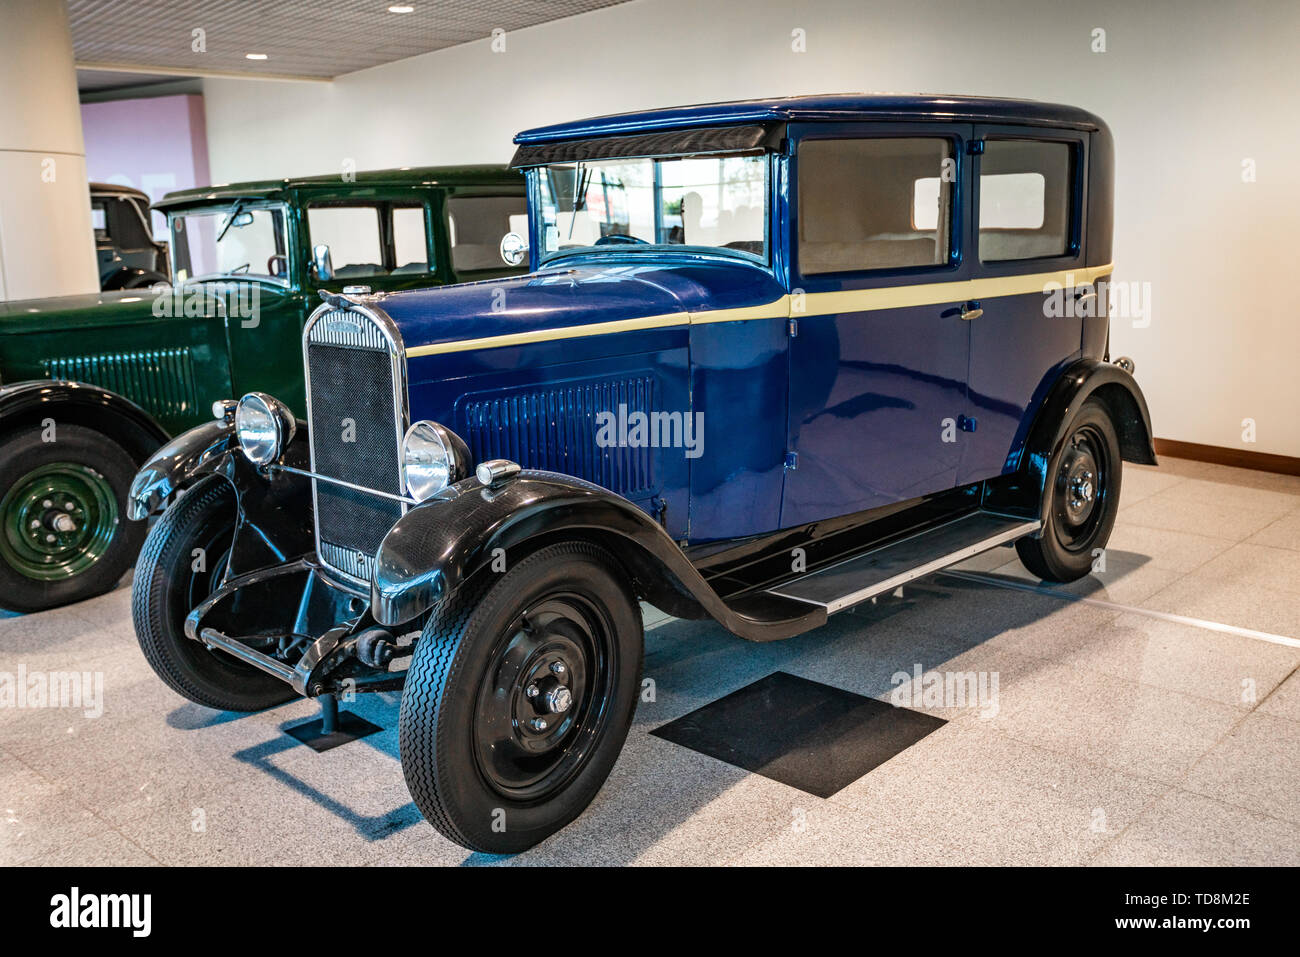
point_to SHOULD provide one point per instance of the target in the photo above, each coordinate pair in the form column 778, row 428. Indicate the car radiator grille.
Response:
column 354, row 423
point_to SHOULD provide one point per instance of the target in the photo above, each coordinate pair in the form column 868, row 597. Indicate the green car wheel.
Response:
column 64, row 535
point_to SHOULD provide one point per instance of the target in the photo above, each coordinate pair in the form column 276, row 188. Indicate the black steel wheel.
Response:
column 519, row 698
column 170, row 581
column 1080, row 500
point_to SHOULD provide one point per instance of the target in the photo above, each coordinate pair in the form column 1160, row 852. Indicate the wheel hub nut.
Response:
column 559, row 700
column 1081, row 487
column 557, row 667
column 64, row 523
column 539, row 724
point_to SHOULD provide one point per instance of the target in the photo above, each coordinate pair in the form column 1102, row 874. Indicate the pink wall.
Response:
column 157, row 144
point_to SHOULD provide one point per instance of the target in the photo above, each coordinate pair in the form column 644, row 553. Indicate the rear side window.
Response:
column 476, row 225
column 1025, row 190
column 352, row 234
column 883, row 203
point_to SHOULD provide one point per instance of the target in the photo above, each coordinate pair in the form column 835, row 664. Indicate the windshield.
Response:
column 232, row 241
column 713, row 202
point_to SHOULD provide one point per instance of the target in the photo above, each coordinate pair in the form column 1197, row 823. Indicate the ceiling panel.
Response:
column 309, row 38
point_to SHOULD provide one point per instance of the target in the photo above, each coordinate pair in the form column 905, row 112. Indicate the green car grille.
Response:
column 161, row 381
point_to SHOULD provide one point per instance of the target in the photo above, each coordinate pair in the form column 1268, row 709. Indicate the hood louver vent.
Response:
column 555, row 430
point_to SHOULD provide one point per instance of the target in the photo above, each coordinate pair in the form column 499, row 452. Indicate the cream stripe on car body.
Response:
column 815, row 304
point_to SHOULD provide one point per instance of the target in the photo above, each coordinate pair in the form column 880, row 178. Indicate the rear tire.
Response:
column 1080, row 501
column 52, row 554
column 556, row 639
column 167, row 587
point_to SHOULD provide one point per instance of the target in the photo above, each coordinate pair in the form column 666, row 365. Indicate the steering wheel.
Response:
column 621, row 239
column 275, row 265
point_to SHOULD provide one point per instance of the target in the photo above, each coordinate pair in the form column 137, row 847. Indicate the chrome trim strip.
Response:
column 352, row 563
column 401, row 410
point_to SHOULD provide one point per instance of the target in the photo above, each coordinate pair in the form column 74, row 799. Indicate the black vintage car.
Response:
column 129, row 257
column 772, row 359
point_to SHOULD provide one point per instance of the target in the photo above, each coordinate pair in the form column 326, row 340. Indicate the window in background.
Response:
column 1025, row 189
column 475, row 227
column 881, row 203
column 352, row 234
column 410, row 245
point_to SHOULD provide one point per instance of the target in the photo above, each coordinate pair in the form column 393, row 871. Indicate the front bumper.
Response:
column 296, row 622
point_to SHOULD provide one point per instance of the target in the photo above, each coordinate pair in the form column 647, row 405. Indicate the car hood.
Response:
column 574, row 297
column 97, row 309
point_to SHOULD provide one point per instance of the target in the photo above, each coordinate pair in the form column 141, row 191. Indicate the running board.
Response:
column 883, row 569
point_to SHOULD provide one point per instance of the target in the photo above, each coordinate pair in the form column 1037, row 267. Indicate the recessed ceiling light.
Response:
column 254, row 56
column 401, row 8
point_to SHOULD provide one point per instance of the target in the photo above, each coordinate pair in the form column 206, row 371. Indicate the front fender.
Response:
column 441, row 543
column 200, row 451
column 83, row 404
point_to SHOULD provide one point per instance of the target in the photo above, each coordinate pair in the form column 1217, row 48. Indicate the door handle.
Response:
column 1084, row 296
column 971, row 310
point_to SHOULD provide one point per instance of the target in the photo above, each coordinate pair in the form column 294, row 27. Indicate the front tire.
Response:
column 64, row 535
column 519, row 698
column 1080, row 501
column 168, row 585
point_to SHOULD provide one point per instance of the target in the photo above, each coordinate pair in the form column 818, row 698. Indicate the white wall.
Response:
column 1190, row 89
column 47, row 245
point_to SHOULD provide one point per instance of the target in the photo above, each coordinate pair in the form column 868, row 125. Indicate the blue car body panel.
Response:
column 806, row 411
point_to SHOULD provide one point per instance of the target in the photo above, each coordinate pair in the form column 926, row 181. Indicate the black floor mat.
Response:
column 802, row 733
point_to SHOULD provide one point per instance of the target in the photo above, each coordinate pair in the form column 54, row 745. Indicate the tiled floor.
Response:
column 1120, row 733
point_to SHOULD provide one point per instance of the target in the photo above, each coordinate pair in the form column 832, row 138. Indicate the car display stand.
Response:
column 332, row 728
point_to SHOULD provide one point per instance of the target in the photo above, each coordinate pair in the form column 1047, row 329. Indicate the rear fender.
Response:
column 1110, row 384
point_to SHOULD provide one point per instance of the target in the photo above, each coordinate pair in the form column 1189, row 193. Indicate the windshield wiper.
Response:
column 582, row 181
column 230, row 219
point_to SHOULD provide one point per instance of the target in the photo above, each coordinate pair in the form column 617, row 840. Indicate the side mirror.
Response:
column 514, row 249
column 322, row 263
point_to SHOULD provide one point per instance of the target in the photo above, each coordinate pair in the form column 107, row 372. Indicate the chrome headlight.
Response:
column 433, row 457
column 264, row 426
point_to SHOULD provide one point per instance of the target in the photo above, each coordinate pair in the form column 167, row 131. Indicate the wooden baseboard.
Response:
column 1219, row 455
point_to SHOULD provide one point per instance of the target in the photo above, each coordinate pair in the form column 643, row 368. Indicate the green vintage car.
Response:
column 91, row 385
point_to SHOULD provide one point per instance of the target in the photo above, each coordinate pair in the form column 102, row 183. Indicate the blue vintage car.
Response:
column 772, row 358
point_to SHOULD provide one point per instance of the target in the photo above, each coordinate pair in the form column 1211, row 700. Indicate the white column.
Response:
column 47, row 245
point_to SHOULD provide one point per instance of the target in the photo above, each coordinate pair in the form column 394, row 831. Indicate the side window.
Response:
column 99, row 219
column 881, row 203
column 410, row 248
column 1025, row 189
column 352, row 234
column 128, row 225
column 475, row 225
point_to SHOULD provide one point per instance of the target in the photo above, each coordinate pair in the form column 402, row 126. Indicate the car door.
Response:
column 1026, row 241
column 878, row 358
